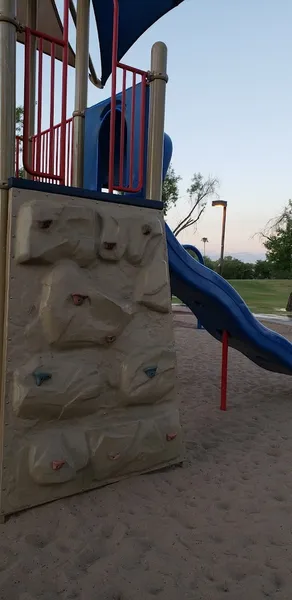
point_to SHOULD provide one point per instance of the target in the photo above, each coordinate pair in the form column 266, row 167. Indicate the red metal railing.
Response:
column 43, row 155
column 48, row 155
column 137, row 76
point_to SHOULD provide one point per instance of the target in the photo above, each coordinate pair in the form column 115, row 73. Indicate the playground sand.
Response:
column 219, row 527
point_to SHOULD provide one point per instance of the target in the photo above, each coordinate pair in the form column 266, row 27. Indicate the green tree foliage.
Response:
column 262, row 270
column 170, row 190
column 233, row 268
column 19, row 113
column 278, row 244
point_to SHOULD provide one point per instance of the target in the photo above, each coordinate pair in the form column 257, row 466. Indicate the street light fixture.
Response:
column 222, row 203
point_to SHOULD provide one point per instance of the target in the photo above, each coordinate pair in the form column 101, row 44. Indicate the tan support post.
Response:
column 158, row 78
column 7, row 147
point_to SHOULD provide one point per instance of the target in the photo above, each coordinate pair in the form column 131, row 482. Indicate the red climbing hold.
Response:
column 78, row 299
column 58, row 464
column 171, row 436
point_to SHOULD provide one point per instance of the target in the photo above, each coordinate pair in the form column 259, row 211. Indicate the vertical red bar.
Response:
column 57, row 134
column 52, row 110
column 224, row 371
column 113, row 97
column 33, row 141
column 42, row 155
column 71, row 151
column 17, row 157
column 142, row 131
column 123, row 129
column 47, row 154
column 40, row 106
column 64, row 91
column 26, row 103
column 132, row 143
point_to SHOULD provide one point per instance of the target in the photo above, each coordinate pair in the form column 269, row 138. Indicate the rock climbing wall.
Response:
column 90, row 366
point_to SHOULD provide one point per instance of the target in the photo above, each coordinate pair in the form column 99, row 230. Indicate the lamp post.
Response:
column 222, row 203
column 205, row 241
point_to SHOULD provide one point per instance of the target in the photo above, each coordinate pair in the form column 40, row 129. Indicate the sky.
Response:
column 228, row 110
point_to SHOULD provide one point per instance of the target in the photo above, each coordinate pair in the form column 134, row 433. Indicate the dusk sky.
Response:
column 229, row 103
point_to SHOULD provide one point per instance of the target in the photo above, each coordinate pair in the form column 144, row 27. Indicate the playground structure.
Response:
column 88, row 362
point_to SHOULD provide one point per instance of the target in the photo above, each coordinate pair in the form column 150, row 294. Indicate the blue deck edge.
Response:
column 52, row 188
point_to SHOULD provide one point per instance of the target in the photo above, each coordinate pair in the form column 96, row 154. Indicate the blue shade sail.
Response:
column 135, row 17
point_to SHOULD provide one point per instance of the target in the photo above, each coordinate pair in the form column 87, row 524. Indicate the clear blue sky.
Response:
column 228, row 108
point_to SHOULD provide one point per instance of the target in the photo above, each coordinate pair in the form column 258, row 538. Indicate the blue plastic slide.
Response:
column 220, row 308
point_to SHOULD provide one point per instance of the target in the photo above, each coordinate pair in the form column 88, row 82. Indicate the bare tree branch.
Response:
column 199, row 191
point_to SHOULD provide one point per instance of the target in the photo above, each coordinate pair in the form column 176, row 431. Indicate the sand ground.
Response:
column 218, row 527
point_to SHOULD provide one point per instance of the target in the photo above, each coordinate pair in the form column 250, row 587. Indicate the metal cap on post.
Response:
column 158, row 79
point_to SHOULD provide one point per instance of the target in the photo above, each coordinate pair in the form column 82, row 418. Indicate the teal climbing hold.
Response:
column 150, row 372
column 41, row 377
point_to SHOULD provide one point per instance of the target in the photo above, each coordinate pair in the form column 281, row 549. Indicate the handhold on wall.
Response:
column 46, row 224
column 150, row 372
column 58, row 464
column 78, row 299
column 114, row 456
column 146, row 229
column 49, row 230
column 109, row 245
column 170, row 437
column 147, row 376
column 75, row 390
column 56, row 456
column 110, row 339
column 41, row 377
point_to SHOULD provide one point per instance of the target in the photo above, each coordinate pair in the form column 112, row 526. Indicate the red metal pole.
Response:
column 123, row 129
column 142, row 132
column 52, row 110
column 132, row 142
column 224, row 371
column 113, row 97
column 64, row 92
column 40, row 107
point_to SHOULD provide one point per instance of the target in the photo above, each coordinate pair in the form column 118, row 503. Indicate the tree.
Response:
column 233, row 268
column 211, row 264
column 277, row 239
column 19, row 114
column 170, row 189
column 199, row 192
column 262, row 270
column 205, row 241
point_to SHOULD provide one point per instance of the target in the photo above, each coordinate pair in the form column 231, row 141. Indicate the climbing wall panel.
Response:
column 90, row 366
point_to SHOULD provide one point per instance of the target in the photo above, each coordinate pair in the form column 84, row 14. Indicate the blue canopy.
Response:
column 136, row 16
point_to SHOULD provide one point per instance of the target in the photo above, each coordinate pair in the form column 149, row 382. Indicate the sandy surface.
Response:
column 218, row 527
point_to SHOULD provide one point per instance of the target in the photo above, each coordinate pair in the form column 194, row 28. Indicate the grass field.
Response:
column 263, row 296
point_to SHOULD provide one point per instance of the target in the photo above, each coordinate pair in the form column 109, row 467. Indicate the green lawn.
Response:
column 262, row 296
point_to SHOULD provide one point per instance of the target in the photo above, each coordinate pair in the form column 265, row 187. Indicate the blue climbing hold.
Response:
column 41, row 377
column 150, row 372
